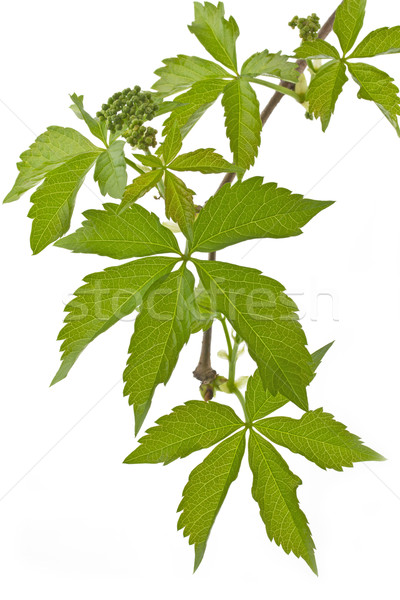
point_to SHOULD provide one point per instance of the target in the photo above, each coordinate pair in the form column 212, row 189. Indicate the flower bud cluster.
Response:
column 308, row 27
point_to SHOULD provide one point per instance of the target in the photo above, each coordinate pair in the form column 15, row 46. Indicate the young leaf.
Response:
column 110, row 170
column 385, row 40
column 132, row 233
column 274, row 490
column 266, row 319
column 348, row 22
column 162, row 328
column 215, row 33
column 179, row 203
column 97, row 128
column 54, row 201
column 190, row 427
column 183, row 71
column 204, row 160
column 172, row 143
column 377, row 86
column 106, row 298
column 51, row 149
column 139, row 187
column 317, row 49
column 325, row 89
column 271, row 65
column 319, row 438
column 248, row 210
column 194, row 104
column 242, row 121
column 206, row 491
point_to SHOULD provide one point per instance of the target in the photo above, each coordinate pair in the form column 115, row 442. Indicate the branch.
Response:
column 204, row 371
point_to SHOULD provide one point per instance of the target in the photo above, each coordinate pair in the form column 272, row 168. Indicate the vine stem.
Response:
column 204, row 371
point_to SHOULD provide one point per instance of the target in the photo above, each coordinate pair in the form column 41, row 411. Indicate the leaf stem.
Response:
column 134, row 165
column 278, row 88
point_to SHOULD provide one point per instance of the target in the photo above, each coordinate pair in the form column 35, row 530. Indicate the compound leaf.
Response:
column 54, row 201
column 110, row 170
column 325, row 89
column 97, row 128
column 248, row 210
column 51, row 149
column 348, row 22
column 204, row 160
column 206, row 491
column 274, row 490
column 179, row 203
column 377, row 86
column 106, row 297
column 139, row 187
column 215, row 33
column 132, row 233
column 319, row 438
column 317, row 49
column 189, row 427
column 385, row 40
column 162, row 328
column 266, row 319
column 271, row 65
column 242, row 121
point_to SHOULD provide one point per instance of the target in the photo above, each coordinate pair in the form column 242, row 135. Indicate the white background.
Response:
column 76, row 522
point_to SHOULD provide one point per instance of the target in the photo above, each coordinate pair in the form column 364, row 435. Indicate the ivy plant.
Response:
column 176, row 289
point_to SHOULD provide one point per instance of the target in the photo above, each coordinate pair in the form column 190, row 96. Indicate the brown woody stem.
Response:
column 204, row 371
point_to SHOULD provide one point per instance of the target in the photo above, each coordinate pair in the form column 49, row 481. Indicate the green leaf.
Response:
column 275, row 491
column 204, row 160
column 385, row 40
column 183, row 71
column 110, row 170
column 203, row 312
column 319, row 438
column 248, row 210
column 260, row 402
column 149, row 160
column 97, row 128
column 172, row 143
column 206, row 491
column 110, row 232
column 325, row 89
column 51, row 149
column 194, row 104
column 139, row 187
column 190, row 427
column 162, row 328
column 106, row 298
column 348, row 22
column 265, row 318
column 54, row 201
column 242, row 121
column 215, row 33
column 377, row 86
column 271, row 65
column 316, row 49
column 179, row 203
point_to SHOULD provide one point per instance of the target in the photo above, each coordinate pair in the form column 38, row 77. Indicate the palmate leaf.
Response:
column 316, row 49
column 248, row 210
column 190, row 427
column 215, row 33
column 183, row 71
column 274, row 489
column 54, row 201
column 51, row 149
column 139, row 187
column 132, row 233
column 319, row 438
column 271, row 65
column 377, row 86
column 162, row 328
column 194, row 104
column 385, row 40
column 349, row 21
column 206, row 490
column 106, row 297
column 325, row 89
column 242, row 121
column 204, row 160
column 179, row 203
column 266, row 319
column 110, row 170
column 96, row 127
